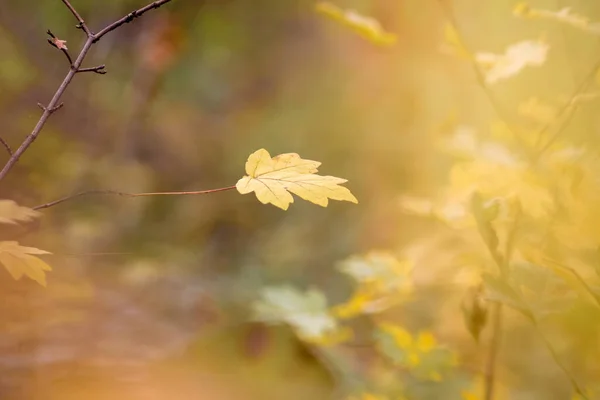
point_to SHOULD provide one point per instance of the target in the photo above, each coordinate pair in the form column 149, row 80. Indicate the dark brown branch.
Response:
column 124, row 194
column 99, row 69
column 129, row 17
column 81, row 23
column 53, row 105
column 6, row 146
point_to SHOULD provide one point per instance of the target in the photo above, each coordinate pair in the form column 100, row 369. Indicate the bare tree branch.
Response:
column 128, row 18
column 53, row 105
column 123, row 194
column 81, row 23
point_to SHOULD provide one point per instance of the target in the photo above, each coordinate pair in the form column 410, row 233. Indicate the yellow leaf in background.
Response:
column 497, row 67
column 402, row 337
column 413, row 359
column 369, row 396
column 274, row 179
column 20, row 260
column 564, row 15
column 504, row 180
column 367, row 27
column 11, row 212
column 426, row 342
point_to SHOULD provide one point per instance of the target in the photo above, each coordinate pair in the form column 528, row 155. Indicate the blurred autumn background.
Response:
column 149, row 298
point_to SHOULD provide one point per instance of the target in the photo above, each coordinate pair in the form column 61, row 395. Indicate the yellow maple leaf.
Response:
column 274, row 179
column 20, row 260
column 367, row 27
column 11, row 212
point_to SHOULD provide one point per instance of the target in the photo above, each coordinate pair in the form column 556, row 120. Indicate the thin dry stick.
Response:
column 81, row 25
column 124, row 194
column 568, row 105
column 53, row 105
column 490, row 367
column 576, row 386
column 6, row 146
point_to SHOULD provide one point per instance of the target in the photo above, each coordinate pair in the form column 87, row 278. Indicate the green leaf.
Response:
column 307, row 312
column 11, row 213
column 21, row 261
column 419, row 354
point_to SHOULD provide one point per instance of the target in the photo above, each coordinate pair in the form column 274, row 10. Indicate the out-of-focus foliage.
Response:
column 516, row 57
column 308, row 313
column 382, row 281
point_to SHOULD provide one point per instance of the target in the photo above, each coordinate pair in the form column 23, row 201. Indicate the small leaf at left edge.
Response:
column 21, row 261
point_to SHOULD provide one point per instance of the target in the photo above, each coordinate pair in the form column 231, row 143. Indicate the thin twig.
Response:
column 565, row 107
column 81, row 23
column 6, row 146
column 99, row 69
column 75, row 67
column 124, row 194
column 479, row 76
column 128, row 18
column 490, row 367
column 578, row 389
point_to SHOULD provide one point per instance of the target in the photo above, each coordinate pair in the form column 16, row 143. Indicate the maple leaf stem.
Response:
column 53, row 105
column 125, row 194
